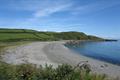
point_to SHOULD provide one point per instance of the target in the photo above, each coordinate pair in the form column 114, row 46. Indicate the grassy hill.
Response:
column 29, row 35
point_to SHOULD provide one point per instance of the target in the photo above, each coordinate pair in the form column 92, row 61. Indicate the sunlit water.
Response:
column 105, row 51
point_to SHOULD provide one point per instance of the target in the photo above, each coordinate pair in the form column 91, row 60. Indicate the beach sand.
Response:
column 55, row 53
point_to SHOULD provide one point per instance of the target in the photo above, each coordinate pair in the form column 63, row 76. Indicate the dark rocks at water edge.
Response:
column 77, row 42
column 111, row 40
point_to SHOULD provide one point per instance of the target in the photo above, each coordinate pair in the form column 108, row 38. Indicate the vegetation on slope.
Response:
column 26, row 34
column 31, row 72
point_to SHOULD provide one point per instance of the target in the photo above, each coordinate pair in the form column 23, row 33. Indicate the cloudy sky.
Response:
column 95, row 17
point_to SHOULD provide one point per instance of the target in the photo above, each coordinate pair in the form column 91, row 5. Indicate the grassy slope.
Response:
column 20, row 34
column 25, row 34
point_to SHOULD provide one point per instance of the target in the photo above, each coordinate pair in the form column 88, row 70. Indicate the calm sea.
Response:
column 105, row 51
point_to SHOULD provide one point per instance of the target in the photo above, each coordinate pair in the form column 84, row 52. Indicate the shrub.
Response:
column 32, row 72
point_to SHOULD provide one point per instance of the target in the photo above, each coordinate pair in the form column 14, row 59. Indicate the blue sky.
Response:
column 94, row 17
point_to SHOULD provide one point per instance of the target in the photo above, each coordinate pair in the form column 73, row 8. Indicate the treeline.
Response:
column 26, row 34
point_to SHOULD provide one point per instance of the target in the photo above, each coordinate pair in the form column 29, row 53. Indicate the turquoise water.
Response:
column 105, row 51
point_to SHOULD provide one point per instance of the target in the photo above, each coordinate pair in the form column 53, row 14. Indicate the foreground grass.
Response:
column 31, row 72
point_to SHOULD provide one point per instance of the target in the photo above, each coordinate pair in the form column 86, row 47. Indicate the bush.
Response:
column 32, row 72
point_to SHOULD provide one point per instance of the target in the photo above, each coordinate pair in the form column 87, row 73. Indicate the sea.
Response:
column 108, row 51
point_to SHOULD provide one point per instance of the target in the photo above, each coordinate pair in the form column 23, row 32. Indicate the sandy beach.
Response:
column 55, row 53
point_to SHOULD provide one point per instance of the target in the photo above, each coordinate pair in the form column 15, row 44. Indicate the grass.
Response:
column 13, row 36
column 32, row 35
column 22, row 35
column 31, row 72
column 2, row 30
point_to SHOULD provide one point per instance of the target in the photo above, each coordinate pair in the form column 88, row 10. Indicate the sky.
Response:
column 93, row 17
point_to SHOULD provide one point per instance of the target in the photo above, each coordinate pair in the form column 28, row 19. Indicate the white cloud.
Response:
column 40, row 8
column 33, row 5
column 50, row 10
column 47, row 7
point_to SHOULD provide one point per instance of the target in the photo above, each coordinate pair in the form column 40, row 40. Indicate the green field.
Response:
column 32, row 35
column 15, row 30
column 22, row 36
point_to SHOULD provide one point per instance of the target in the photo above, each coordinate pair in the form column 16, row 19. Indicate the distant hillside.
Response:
column 4, row 30
column 26, row 34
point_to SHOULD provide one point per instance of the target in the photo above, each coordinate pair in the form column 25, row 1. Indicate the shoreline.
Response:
column 55, row 53
column 73, row 58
